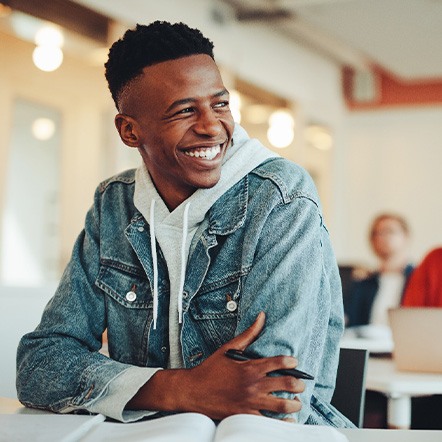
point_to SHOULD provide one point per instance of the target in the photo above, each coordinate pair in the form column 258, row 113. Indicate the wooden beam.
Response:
column 261, row 95
column 67, row 14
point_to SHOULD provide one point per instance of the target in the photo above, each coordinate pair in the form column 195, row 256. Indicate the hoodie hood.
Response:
column 244, row 155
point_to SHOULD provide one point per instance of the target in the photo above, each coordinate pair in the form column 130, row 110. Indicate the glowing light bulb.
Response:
column 43, row 128
column 280, row 132
column 281, row 118
column 280, row 137
column 49, row 36
column 47, row 58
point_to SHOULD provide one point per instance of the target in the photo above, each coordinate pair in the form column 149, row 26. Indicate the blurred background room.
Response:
column 349, row 89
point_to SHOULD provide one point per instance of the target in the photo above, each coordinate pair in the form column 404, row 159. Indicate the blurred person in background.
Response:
column 371, row 294
column 370, row 297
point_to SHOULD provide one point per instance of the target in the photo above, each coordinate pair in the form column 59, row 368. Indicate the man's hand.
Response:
column 220, row 387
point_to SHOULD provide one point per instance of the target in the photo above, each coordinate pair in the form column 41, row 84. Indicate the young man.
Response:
column 213, row 243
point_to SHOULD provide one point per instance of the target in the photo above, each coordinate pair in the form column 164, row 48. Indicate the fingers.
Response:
column 282, row 383
column 243, row 340
column 282, row 406
column 276, row 363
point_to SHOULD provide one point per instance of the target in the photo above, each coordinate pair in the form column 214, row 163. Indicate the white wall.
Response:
column 78, row 91
column 388, row 160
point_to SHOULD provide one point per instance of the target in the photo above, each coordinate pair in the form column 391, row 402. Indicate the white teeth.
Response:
column 208, row 154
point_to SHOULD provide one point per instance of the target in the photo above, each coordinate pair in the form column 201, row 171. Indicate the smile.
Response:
column 208, row 153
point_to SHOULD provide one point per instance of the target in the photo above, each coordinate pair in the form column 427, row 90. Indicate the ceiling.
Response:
column 403, row 37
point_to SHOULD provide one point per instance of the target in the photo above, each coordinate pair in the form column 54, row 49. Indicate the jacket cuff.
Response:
column 119, row 391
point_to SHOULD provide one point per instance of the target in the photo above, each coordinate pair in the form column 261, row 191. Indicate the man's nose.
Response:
column 208, row 124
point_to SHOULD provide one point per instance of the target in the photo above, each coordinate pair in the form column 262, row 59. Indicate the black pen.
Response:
column 239, row 355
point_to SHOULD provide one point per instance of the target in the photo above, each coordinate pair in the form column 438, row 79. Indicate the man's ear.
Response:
column 127, row 128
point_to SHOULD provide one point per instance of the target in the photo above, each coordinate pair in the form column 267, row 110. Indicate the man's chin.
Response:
column 208, row 185
column 207, row 182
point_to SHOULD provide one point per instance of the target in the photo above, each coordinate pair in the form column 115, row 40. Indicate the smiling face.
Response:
column 177, row 115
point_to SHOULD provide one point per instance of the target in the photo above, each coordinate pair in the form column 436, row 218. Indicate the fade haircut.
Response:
column 147, row 45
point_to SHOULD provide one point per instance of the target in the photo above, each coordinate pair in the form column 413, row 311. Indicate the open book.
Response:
column 185, row 427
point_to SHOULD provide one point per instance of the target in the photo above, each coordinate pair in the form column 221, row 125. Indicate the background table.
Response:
column 399, row 387
column 371, row 435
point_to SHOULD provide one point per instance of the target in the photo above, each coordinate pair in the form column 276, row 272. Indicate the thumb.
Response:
column 244, row 339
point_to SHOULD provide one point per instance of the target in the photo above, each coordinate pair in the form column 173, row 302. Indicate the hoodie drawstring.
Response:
column 183, row 262
column 153, row 248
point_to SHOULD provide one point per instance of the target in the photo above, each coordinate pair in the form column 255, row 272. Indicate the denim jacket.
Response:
column 263, row 245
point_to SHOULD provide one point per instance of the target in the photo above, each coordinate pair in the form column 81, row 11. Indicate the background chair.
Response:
column 349, row 395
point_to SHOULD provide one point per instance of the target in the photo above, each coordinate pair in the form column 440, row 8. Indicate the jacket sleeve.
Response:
column 59, row 366
column 295, row 280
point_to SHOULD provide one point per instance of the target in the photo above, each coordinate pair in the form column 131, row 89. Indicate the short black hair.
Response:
column 147, row 45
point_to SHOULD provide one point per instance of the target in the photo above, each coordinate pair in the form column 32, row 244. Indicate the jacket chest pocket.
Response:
column 129, row 311
column 127, row 286
column 215, row 311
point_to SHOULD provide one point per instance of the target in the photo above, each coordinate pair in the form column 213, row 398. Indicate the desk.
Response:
column 399, row 387
column 12, row 406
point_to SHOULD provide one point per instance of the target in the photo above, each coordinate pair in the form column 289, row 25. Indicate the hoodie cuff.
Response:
column 119, row 391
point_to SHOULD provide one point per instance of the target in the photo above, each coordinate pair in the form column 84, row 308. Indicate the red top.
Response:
column 424, row 288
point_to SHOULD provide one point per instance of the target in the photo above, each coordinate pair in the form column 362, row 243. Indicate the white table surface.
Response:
column 400, row 387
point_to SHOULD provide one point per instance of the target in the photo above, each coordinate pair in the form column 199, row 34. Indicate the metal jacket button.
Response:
column 232, row 306
column 131, row 296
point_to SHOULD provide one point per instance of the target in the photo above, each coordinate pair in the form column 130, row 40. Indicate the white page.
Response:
column 184, row 427
column 251, row 428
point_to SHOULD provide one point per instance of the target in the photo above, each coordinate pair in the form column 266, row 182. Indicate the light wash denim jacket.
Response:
column 263, row 244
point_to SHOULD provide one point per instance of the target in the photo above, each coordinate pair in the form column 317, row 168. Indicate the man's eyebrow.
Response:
column 193, row 100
